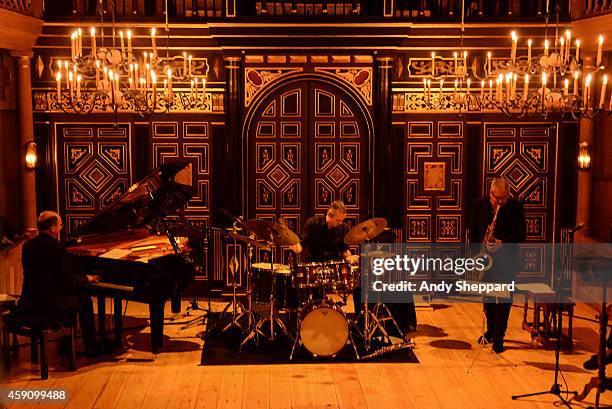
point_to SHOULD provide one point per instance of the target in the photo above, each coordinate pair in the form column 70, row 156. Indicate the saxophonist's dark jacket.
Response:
column 509, row 228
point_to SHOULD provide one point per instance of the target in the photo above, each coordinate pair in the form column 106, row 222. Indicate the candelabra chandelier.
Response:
column 109, row 79
column 556, row 81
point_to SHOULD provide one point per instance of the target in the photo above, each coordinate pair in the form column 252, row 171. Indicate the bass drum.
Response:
column 324, row 329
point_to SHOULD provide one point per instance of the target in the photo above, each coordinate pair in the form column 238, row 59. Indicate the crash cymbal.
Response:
column 271, row 231
column 249, row 240
column 366, row 230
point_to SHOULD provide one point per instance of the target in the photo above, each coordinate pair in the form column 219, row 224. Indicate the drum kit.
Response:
column 295, row 298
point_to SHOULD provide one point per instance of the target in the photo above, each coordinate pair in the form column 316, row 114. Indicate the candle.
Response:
column 148, row 75
column 166, row 87
column 469, row 82
column 122, row 43
column 424, row 87
column 526, row 87
column 204, row 89
column 191, row 89
column 93, row 41
column 602, row 97
column 440, row 91
column 529, row 42
column 544, row 81
column 129, row 41
column 508, row 86
column 433, row 66
column 513, row 50
column 97, row 73
column 153, row 44
column 154, row 79
column 568, row 41
column 482, row 89
column 455, row 96
column 455, row 61
column 576, row 83
column 190, row 65
column 73, row 46
column 561, row 48
column 78, row 93
column 169, row 73
column 58, row 79
column 66, row 68
column 184, row 64
column 587, row 90
column 577, row 51
column 489, row 63
column 514, row 76
column 546, row 47
column 465, row 60
column 565, row 87
column 490, row 89
column 70, row 83
column 428, row 90
column 80, row 42
column 498, row 90
column 599, row 50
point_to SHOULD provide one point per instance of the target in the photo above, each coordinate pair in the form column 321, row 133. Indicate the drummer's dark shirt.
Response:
column 320, row 242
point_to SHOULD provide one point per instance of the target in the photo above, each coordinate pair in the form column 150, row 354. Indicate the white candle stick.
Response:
column 489, row 63
column 576, row 74
column 568, row 42
column 433, row 64
column 599, row 50
column 122, row 42
column 129, row 41
column 58, row 79
column 490, row 89
column 577, row 51
column 546, row 47
column 482, row 83
column 190, row 65
column 565, row 87
column 602, row 97
column 153, row 44
column 561, row 48
column 529, row 42
column 526, row 87
column 92, row 31
column 513, row 50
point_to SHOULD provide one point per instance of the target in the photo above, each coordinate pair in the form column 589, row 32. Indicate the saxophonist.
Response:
column 504, row 218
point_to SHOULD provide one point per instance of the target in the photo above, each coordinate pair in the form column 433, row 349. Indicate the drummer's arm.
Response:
column 346, row 254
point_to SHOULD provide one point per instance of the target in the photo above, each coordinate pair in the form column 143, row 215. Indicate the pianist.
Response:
column 51, row 294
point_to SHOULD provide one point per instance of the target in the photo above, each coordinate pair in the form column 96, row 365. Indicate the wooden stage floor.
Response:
column 445, row 346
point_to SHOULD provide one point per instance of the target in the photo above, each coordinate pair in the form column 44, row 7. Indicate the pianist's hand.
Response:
column 92, row 279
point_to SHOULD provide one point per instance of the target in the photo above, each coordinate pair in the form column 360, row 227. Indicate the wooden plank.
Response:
column 348, row 389
column 232, row 383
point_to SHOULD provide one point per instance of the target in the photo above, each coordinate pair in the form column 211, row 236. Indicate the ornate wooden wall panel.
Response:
column 307, row 148
column 526, row 155
column 93, row 168
column 434, row 180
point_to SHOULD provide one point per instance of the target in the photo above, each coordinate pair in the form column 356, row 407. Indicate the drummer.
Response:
column 323, row 237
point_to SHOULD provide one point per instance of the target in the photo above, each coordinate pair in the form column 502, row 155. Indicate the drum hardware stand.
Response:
column 482, row 343
column 377, row 316
column 235, row 304
column 272, row 318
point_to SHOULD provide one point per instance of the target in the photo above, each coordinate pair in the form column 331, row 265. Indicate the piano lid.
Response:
column 161, row 192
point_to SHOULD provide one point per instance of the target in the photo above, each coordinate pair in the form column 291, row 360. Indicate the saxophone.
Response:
column 483, row 253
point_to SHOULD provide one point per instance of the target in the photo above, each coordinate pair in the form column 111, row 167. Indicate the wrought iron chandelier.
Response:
column 555, row 81
column 113, row 78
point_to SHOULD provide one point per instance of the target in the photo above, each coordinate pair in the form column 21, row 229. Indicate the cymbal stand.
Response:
column 373, row 320
column 273, row 319
column 235, row 304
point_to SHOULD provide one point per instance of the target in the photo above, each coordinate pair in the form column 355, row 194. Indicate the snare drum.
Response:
column 348, row 277
column 309, row 275
column 323, row 328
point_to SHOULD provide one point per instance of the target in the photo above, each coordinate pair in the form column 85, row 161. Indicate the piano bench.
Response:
column 39, row 339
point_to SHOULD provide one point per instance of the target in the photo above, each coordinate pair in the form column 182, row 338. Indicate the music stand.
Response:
column 555, row 389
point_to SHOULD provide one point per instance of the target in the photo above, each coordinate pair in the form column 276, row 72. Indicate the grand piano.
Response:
column 130, row 246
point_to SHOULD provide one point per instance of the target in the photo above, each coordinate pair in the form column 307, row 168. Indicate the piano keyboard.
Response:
column 112, row 286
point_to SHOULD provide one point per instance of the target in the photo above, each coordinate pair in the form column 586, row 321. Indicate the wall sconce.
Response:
column 31, row 156
column 584, row 156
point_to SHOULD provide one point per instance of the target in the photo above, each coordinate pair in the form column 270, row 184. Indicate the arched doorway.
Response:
column 308, row 144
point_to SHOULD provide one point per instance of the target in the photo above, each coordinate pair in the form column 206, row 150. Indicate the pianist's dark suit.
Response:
column 51, row 293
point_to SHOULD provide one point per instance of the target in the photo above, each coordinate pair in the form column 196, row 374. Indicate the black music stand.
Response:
column 555, row 389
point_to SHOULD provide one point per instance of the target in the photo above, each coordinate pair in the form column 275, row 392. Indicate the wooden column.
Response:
column 233, row 138
column 26, row 135
column 384, row 186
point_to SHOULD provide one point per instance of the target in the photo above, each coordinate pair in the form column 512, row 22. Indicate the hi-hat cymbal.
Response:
column 271, row 231
column 366, row 230
column 249, row 240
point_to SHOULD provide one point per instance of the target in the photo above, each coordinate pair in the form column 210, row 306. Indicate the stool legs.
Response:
column 72, row 363
column 34, row 349
column 6, row 348
column 44, row 365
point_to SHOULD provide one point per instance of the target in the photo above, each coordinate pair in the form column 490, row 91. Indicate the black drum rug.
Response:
column 224, row 349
